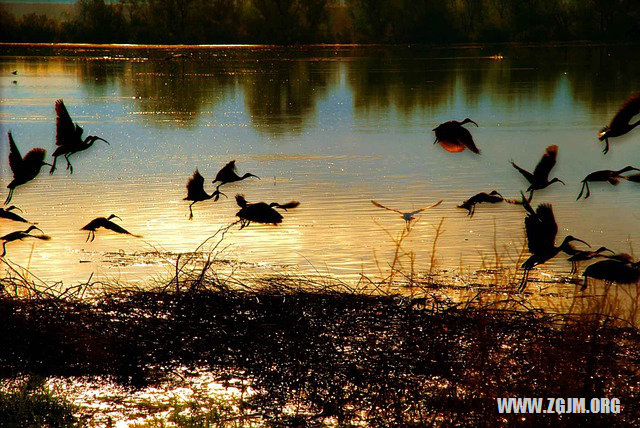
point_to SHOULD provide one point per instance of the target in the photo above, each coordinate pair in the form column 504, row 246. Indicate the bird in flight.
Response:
column 610, row 176
column 105, row 223
column 540, row 177
column 20, row 235
column 453, row 137
column 261, row 212
column 69, row 137
column 621, row 122
column 409, row 216
column 9, row 215
column 24, row 168
column 229, row 174
column 196, row 193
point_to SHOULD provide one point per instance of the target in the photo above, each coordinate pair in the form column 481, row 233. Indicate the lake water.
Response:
column 332, row 127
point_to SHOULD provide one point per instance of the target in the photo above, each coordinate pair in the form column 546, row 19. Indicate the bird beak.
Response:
column 36, row 227
column 13, row 207
column 115, row 216
column 44, row 163
column 471, row 121
column 580, row 240
column 562, row 182
column 102, row 139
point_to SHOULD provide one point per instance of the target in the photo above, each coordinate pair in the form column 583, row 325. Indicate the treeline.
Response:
column 330, row 21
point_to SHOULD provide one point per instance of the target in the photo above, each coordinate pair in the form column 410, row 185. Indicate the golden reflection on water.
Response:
column 330, row 127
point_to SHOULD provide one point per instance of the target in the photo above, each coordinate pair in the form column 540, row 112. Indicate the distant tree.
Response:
column 287, row 21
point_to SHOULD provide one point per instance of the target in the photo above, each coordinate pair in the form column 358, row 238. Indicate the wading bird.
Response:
column 229, row 174
column 583, row 255
column 196, row 193
column 19, row 235
column 408, row 217
column 610, row 176
column 540, row 177
column 69, row 137
column 541, row 230
column 24, row 169
column 491, row 198
column 621, row 122
column 453, row 137
column 6, row 213
column 107, row 224
column 261, row 212
column 619, row 271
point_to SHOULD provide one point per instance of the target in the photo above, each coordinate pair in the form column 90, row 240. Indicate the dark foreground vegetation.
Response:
column 321, row 356
column 329, row 21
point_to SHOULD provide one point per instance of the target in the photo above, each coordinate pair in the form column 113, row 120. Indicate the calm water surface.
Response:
column 330, row 127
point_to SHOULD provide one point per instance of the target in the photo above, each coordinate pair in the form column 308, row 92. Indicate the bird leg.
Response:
column 69, row 166
column 191, row 211
column 584, row 184
column 4, row 249
column 606, row 147
column 88, row 236
column 574, row 267
column 523, row 282
column 9, row 196
column 53, row 167
column 584, row 285
column 93, row 235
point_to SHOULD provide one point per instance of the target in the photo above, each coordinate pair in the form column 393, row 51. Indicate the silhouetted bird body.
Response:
column 409, row 216
column 229, row 174
column 540, row 177
column 69, row 137
column 490, row 198
column 583, row 255
column 541, row 230
column 621, row 122
column 196, row 193
column 24, row 169
column 610, row 176
column 9, row 215
column 261, row 212
column 454, row 137
column 619, row 271
column 105, row 223
column 20, row 235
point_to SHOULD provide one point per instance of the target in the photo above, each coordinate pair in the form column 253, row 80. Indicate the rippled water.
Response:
column 331, row 127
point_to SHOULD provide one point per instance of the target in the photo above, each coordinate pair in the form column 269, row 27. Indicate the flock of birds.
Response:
column 540, row 223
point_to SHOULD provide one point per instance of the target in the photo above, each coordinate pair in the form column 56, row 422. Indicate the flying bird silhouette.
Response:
column 610, row 176
column 613, row 270
column 229, row 174
column 24, row 169
column 540, row 177
column 105, row 223
column 541, row 230
column 20, row 235
column 261, row 212
column 621, row 122
column 490, row 198
column 196, row 193
column 453, row 137
column 408, row 217
column 9, row 215
column 69, row 137
column 583, row 255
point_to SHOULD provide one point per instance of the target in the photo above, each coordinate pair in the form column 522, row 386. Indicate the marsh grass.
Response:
column 394, row 350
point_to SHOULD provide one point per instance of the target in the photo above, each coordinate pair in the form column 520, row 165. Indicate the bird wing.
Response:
column 630, row 108
column 541, row 229
column 386, row 208
column 15, row 158
column 65, row 129
column 195, row 184
column 108, row 224
column 546, row 163
column 426, row 208
column 524, row 172
column 464, row 137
